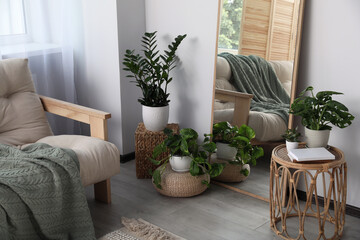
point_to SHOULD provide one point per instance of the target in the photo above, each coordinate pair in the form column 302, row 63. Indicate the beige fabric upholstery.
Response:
column 283, row 70
column 268, row 127
column 99, row 160
column 22, row 118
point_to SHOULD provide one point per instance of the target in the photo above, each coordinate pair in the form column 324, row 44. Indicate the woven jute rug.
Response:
column 139, row 229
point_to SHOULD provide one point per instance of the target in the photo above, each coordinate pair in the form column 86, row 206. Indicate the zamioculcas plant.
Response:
column 152, row 70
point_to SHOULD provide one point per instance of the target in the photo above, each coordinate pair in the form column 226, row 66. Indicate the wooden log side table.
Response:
column 284, row 200
column 145, row 142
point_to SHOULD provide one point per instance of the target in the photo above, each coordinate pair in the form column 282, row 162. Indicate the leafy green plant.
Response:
column 292, row 135
column 238, row 137
column 318, row 111
column 185, row 144
column 152, row 71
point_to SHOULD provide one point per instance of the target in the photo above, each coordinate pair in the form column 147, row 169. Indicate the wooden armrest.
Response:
column 229, row 93
column 96, row 119
column 242, row 104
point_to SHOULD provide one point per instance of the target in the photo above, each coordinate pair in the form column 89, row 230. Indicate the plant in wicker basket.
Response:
column 238, row 138
column 185, row 144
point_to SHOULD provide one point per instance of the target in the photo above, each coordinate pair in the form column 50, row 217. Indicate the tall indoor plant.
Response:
column 186, row 155
column 152, row 74
column 317, row 112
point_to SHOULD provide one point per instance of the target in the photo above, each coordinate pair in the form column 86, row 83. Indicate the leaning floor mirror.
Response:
column 256, row 75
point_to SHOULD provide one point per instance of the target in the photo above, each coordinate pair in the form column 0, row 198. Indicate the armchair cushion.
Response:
column 22, row 117
column 98, row 159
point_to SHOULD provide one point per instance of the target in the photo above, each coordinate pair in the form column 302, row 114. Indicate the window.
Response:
column 230, row 25
column 12, row 22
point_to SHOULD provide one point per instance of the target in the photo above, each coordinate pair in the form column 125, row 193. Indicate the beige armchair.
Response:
column 23, row 121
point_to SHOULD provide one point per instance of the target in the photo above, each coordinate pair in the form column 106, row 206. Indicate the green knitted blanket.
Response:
column 41, row 195
column 254, row 75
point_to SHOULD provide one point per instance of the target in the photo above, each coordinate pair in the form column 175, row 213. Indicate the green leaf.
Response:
column 210, row 147
column 188, row 133
column 245, row 172
column 216, row 169
column 194, row 169
column 205, row 183
column 157, row 178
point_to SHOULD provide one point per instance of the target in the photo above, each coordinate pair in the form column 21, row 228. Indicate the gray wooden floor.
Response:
column 216, row 214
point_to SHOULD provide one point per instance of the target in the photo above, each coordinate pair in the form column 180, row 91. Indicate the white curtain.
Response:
column 48, row 46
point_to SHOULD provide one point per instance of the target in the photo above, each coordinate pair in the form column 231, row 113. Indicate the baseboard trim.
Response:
column 127, row 157
column 350, row 210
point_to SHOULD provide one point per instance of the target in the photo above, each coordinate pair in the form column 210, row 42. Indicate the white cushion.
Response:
column 283, row 70
column 22, row 117
column 223, row 70
column 99, row 160
column 267, row 126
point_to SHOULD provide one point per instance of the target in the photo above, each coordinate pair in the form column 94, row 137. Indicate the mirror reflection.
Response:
column 254, row 74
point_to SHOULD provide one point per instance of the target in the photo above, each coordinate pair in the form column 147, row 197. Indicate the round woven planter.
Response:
column 231, row 173
column 176, row 184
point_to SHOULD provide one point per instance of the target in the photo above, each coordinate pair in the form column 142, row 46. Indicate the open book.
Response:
column 310, row 155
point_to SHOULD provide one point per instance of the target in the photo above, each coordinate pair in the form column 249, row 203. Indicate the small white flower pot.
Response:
column 224, row 151
column 155, row 118
column 180, row 163
column 291, row 145
column 316, row 138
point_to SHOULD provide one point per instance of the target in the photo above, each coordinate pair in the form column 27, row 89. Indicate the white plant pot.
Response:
column 224, row 151
column 180, row 163
column 291, row 145
column 155, row 118
column 316, row 138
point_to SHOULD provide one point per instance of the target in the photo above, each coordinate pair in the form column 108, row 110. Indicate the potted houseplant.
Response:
column 317, row 112
column 292, row 138
column 234, row 146
column 185, row 155
column 152, row 75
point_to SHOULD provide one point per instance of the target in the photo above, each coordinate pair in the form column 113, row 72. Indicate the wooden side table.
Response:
column 284, row 201
column 145, row 142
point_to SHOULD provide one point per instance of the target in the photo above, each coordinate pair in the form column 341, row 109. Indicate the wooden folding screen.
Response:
column 268, row 28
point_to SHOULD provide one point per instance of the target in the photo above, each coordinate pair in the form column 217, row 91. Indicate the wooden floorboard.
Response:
column 216, row 214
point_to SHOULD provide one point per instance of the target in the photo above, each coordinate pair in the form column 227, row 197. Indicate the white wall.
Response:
column 96, row 58
column 131, row 27
column 192, row 87
column 330, row 61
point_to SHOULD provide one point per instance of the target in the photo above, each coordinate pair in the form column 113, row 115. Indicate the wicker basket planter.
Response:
column 176, row 184
column 231, row 173
column 145, row 142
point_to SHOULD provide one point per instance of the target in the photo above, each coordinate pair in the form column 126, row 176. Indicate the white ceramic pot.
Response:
column 224, row 151
column 291, row 145
column 180, row 163
column 316, row 138
column 155, row 118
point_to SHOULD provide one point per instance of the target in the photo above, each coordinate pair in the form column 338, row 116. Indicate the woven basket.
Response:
column 145, row 142
column 231, row 172
column 176, row 184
